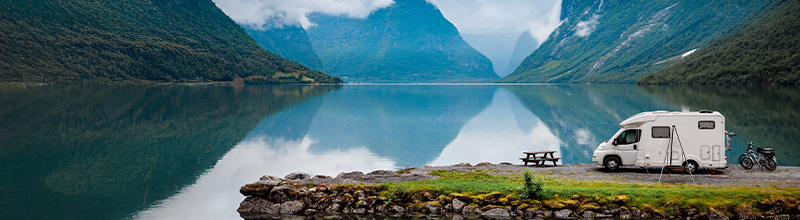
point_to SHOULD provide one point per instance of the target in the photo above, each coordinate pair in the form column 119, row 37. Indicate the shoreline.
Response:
column 397, row 194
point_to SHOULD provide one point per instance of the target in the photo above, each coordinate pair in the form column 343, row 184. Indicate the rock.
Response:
column 310, row 212
column 398, row 210
column 624, row 213
column 458, row 205
column 322, row 177
column 497, row 213
column 552, row 204
column 564, row 213
column 621, row 200
column 470, row 210
column 257, row 206
column 506, row 164
column 781, row 217
column 292, row 207
column 282, row 194
column 716, row 215
column 256, row 189
column 448, row 207
column 360, row 195
column 481, row 164
column 588, row 214
column 334, row 209
column 350, row 175
column 462, row 165
column 382, row 172
column 298, row 176
column 434, row 208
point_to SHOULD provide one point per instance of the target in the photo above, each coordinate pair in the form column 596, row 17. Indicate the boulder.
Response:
column 716, row 215
column 433, row 208
column 481, row 164
column 291, row 207
column 496, row 213
column 350, row 175
column 257, row 206
column 334, row 208
column 298, row 176
column 322, row 177
column 506, row 164
column 282, row 194
column 564, row 213
column 458, row 205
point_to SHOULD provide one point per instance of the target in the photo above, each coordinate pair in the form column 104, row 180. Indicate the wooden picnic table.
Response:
column 539, row 157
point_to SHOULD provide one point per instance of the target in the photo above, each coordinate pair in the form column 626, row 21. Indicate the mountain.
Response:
column 290, row 42
column 764, row 52
column 495, row 46
column 525, row 46
column 410, row 41
column 621, row 41
column 133, row 40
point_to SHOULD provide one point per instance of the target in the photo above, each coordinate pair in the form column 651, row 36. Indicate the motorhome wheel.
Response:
column 612, row 163
column 690, row 166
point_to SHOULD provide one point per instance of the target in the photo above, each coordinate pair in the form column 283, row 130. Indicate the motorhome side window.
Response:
column 660, row 132
column 628, row 137
column 705, row 124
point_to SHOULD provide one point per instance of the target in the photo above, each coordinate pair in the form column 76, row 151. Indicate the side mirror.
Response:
column 614, row 143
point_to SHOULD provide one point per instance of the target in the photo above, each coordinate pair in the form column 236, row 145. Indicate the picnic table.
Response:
column 539, row 157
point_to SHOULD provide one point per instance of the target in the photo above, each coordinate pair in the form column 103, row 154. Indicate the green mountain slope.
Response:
column 410, row 41
column 766, row 51
column 155, row 40
column 290, row 42
column 621, row 41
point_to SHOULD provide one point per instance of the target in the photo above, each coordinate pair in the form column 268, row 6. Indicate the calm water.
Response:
column 181, row 152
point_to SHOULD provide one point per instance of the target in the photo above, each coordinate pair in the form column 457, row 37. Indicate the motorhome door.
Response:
column 627, row 145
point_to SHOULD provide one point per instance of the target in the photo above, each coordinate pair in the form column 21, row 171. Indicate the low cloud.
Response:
column 267, row 14
column 539, row 17
column 585, row 28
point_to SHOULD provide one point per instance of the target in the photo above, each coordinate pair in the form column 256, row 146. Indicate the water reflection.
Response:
column 103, row 152
column 500, row 133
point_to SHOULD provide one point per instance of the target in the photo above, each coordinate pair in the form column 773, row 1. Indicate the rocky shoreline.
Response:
column 357, row 194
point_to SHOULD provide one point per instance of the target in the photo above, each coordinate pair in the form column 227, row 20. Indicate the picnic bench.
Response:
column 539, row 157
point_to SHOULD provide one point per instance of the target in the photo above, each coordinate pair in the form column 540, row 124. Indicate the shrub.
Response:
column 532, row 186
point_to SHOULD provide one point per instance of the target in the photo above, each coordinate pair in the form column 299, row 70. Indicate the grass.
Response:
column 670, row 197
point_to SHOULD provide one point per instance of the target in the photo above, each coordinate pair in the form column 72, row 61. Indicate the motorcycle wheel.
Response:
column 771, row 163
column 741, row 158
column 747, row 163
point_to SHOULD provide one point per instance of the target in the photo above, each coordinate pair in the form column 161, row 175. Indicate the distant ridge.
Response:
column 410, row 41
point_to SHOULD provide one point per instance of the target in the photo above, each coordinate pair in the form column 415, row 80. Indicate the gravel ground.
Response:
column 734, row 175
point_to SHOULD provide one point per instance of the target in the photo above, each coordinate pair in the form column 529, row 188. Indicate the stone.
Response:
column 433, row 208
column 350, row 175
column 458, row 205
column 381, row 172
column 506, row 164
column 257, row 206
column 497, row 213
column 448, row 207
column 564, row 213
column 462, row 165
column 322, row 177
column 716, row 215
column 621, row 200
column 291, row 207
column 552, row 204
column 310, row 212
column 282, row 194
column 398, row 210
column 298, row 176
column 360, row 195
column 334, row 209
column 481, row 164
column 470, row 210
column 588, row 214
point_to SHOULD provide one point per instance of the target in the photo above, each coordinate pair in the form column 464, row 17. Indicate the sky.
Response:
column 490, row 26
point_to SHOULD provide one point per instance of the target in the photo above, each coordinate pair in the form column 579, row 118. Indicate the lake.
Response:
column 180, row 152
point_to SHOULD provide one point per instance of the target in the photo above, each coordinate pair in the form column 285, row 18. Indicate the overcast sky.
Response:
column 469, row 16
column 539, row 17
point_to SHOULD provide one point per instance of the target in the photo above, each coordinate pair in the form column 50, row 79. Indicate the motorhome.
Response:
column 691, row 140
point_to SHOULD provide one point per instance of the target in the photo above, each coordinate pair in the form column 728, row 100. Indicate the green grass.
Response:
column 667, row 196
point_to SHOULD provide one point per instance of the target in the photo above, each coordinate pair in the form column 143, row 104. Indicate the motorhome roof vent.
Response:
column 706, row 111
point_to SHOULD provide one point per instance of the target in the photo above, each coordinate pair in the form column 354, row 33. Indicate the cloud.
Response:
column 268, row 14
column 585, row 28
column 539, row 17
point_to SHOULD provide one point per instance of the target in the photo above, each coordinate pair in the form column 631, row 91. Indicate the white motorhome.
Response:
column 644, row 141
